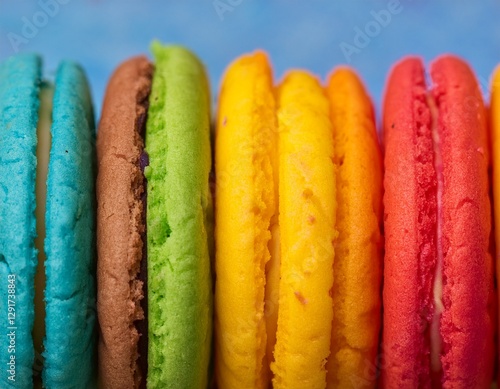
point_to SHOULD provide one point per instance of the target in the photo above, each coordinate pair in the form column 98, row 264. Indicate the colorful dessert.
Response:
column 279, row 181
column 154, row 229
column 302, row 201
column 246, row 213
column 47, row 228
column 357, row 267
column 438, row 270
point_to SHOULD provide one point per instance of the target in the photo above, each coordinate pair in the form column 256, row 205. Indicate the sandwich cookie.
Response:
column 438, row 284
column 46, row 226
column 155, row 119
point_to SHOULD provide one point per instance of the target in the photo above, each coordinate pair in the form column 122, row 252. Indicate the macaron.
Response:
column 279, row 183
column 438, row 271
column 154, row 223
column 47, row 226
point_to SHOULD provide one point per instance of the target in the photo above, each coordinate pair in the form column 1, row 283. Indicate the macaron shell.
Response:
column 120, row 225
column 19, row 88
column 357, row 267
column 246, row 202
column 307, row 209
column 70, row 236
column 468, row 295
column 409, row 226
column 178, row 220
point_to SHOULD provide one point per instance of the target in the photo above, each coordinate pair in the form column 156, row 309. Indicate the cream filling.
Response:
column 42, row 155
column 436, row 342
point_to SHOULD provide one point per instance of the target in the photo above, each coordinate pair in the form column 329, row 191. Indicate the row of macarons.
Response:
column 279, row 244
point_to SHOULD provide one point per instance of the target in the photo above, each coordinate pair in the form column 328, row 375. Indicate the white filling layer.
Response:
column 437, row 290
column 42, row 154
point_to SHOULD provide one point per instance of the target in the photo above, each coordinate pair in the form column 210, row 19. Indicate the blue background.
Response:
column 297, row 33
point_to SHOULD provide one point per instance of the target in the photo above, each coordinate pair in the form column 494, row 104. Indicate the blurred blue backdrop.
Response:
column 313, row 34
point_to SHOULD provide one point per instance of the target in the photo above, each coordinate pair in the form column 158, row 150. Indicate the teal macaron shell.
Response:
column 70, row 236
column 69, row 343
column 19, row 87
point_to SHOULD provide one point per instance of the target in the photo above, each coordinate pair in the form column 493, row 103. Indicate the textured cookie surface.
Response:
column 178, row 222
column 19, row 88
column 245, row 144
column 70, row 236
column 410, row 220
column 307, row 207
column 437, row 228
column 358, row 257
column 466, row 324
column 120, row 225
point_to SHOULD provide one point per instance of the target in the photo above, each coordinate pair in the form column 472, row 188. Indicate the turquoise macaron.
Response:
column 47, row 227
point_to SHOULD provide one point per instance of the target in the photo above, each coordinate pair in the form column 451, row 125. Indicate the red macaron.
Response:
column 438, row 329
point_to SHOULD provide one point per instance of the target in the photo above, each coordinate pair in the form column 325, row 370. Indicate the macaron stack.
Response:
column 287, row 201
column 335, row 260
